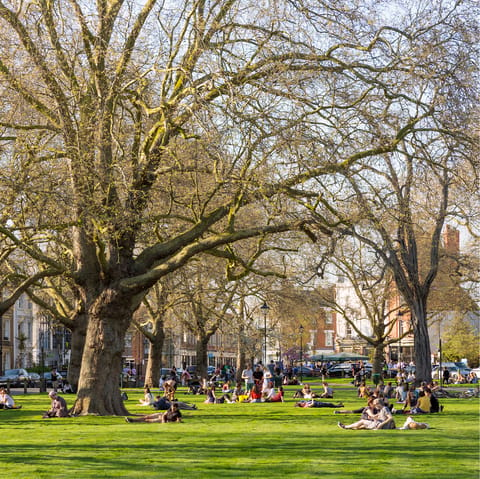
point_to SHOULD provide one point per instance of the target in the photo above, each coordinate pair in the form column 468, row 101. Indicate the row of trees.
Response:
column 138, row 137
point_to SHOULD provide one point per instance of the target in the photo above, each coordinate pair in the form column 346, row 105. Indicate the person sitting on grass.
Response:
column 58, row 406
column 256, row 393
column 6, row 401
column 388, row 390
column 170, row 388
column 383, row 419
column 173, row 414
column 305, row 393
column 212, row 398
column 147, row 397
column 237, row 392
column 314, row 403
column 434, row 404
column 423, row 404
column 327, row 391
column 363, row 391
column 411, row 398
column 278, row 397
column 226, row 388
column 268, row 392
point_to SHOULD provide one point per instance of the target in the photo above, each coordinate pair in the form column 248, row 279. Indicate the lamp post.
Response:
column 1, row 345
column 301, row 353
column 400, row 332
column 264, row 307
column 43, row 381
column 440, row 374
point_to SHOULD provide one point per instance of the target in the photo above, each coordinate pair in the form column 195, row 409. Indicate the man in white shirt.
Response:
column 247, row 376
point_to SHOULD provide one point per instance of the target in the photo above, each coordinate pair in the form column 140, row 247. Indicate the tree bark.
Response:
column 423, row 364
column 99, row 383
column 202, row 356
column 78, row 332
column 241, row 357
column 378, row 358
column 154, row 364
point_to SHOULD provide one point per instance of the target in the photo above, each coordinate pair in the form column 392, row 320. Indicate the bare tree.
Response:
column 168, row 117
column 373, row 315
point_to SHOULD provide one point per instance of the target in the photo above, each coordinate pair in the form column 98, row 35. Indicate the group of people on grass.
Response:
column 382, row 401
column 379, row 411
column 258, row 387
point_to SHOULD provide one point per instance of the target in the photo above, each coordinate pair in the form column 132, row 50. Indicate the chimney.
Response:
column 451, row 240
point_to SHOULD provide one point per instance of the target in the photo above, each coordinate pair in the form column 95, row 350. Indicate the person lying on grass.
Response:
column 314, row 403
column 410, row 423
column 173, row 414
column 362, row 410
column 161, row 403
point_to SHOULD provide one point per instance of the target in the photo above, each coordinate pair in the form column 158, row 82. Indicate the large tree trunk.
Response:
column 154, row 364
column 202, row 357
column 79, row 332
column 423, row 360
column 378, row 359
column 99, row 383
column 241, row 357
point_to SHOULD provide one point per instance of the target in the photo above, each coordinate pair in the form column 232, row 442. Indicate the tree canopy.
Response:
column 137, row 135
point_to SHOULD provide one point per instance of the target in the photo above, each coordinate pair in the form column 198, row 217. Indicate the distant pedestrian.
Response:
column 446, row 375
column 55, row 379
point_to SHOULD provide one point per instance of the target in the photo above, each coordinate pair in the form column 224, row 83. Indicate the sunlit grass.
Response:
column 237, row 440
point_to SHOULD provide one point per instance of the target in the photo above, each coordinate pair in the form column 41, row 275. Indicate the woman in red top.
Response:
column 278, row 397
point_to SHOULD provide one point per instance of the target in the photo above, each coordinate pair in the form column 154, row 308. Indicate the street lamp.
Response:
column 1, row 345
column 301, row 352
column 44, row 330
column 264, row 309
column 440, row 375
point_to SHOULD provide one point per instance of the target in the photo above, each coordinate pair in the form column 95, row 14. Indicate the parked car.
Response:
column 476, row 371
column 48, row 378
column 344, row 370
column 305, row 371
column 193, row 370
column 34, row 377
column 454, row 368
column 16, row 377
column 340, row 370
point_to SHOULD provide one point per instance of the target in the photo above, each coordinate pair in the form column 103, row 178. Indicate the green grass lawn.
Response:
column 237, row 440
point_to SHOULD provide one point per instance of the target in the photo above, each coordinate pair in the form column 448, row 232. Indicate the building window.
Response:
column 6, row 330
column 328, row 317
column 348, row 330
column 328, row 338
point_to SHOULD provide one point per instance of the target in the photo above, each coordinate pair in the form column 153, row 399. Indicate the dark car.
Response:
column 167, row 372
column 306, row 371
column 193, row 370
column 340, row 370
column 15, row 377
column 48, row 378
